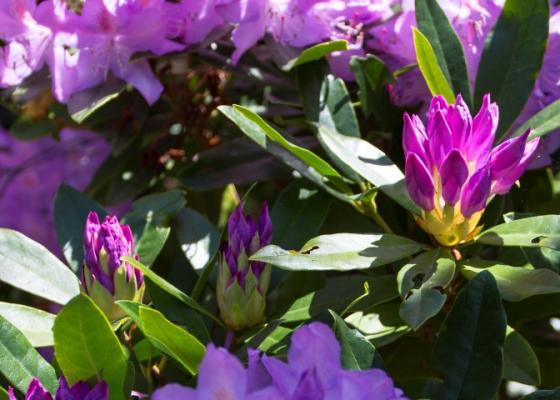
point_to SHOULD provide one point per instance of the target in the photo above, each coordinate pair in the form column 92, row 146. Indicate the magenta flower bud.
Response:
column 105, row 277
column 79, row 391
column 451, row 169
column 419, row 182
column 454, row 173
column 242, row 284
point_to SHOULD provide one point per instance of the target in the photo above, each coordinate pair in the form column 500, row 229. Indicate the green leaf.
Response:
column 541, row 231
column 512, row 58
column 543, row 395
column 520, row 361
column 172, row 290
column 298, row 214
column 372, row 77
column 341, row 252
column 102, row 96
column 29, row 266
column 433, row 23
column 338, row 293
column 357, row 353
column 545, row 121
column 171, row 339
column 71, row 209
column 199, row 239
column 316, row 52
column 371, row 163
column 86, row 346
column 35, row 324
column 516, row 283
column 162, row 205
column 302, row 160
column 468, row 351
column 421, row 283
column 428, row 64
column 20, row 362
column 151, row 242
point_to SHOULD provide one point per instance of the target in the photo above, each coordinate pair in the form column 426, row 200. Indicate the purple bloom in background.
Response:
column 105, row 277
column 79, row 391
column 193, row 20
column 26, row 41
column 242, row 284
column 452, row 170
column 32, row 171
column 313, row 372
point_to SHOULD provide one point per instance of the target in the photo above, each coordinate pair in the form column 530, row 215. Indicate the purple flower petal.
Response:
column 460, row 122
column 454, row 172
column 507, row 155
column 415, row 139
column 221, row 375
column 440, row 138
column 484, row 128
column 419, row 182
column 476, row 192
column 309, row 387
column 174, row 391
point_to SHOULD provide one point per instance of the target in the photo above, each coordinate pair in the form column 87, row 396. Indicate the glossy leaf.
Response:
column 468, row 351
column 29, row 266
column 35, row 324
column 171, row 339
column 198, row 238
column 516, row 283
column 545, row 121
column 172, row 290
column 543, row 395
column 520, row 361
column 421, row 283
column 20, row 362
column 512, row 58
column 371, row 163
column 306, row 162
column 86, row 346
column 316, row 52
column 431, row 70
column 340, row 252
column 71, row 209
column 541, row 231
column 433, row 23
column 357, row 353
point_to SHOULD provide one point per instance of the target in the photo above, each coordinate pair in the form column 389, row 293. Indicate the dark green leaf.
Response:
column 371, row 163
column 431, row 70
column 520, row 361
column 86, row 346
column 433, row 23
column 29, row 266
column 357, row 353
column 468, row 351
column 543, row 395
column 421, row 283
column 545, row 121
column 512, row 58
column 20, row 362
column 71, row 209
column 35, row 324
column 341, row 252
column 316, row 52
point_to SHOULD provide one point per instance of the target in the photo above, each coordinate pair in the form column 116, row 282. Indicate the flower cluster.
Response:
column 452, row 170
column 313, row 371
column 79, row 391
column 242, row 284
column 81, row 49
column 32, row 171
column 105, row 277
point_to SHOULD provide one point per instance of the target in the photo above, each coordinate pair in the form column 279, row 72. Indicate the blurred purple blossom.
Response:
column 31, row 172
column 79, row 391
column 313, row 372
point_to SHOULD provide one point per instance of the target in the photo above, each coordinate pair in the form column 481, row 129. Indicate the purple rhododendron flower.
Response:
column 313, row 372
column 32, row 171
column 242, row 284
column 79, row 391
column 26, row 41
column 105, row 276
column 452, row 170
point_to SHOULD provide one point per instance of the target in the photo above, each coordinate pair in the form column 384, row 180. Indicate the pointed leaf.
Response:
column 35, row 324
